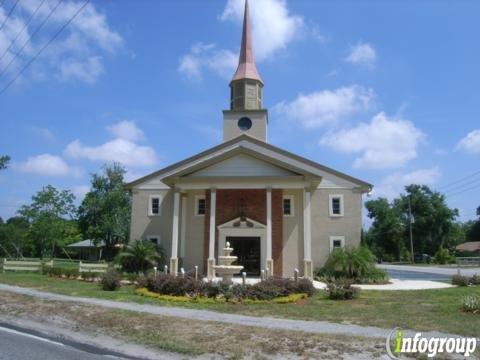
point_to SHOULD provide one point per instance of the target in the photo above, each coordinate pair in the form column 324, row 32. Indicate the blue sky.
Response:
column 384, row 91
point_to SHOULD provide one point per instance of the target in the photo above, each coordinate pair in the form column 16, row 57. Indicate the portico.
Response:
column 241, row 207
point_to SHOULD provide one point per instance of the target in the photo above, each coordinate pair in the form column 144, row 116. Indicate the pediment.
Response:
column 241, row 223
column 242, row 165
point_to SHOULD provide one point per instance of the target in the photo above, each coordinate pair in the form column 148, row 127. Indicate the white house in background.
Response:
column 278, row 210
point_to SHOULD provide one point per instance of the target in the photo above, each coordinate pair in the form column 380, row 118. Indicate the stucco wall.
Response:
column 324, row 226
column 194, row 234
column 293, row 234
column 144, row 225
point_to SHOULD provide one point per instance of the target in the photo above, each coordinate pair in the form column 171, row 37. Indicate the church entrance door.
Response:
column 247, row 249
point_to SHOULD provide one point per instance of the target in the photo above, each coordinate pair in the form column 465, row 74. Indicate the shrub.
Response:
column 460, row 280
column 110, row 280
column 475, row 280
column 141, row 256
column 341, row 289
column 443, row 256
column 471, row 303
column 356, row 264
column 264, row 290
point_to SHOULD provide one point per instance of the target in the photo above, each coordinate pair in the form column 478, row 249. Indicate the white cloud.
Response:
column 273, row 29
column 48, row 165
column 327, row 106
column 382, row 143
column 395, row 183
column 362, row 53
column 207, row 56
column 87, row 71
column 126, row 130
column 273, row 26
column 118, row 150
column 471, row 142
column 44, row 133
column 75, row 54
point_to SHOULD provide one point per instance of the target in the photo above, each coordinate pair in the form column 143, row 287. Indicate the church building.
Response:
column 279, row 211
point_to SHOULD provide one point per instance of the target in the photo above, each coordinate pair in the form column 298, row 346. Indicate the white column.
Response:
column 176, row 210
column 307, row 235
column 269, row 260
column 211, row 243
column 183, row 226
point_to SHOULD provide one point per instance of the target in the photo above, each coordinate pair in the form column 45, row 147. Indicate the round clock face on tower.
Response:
column 244, row 123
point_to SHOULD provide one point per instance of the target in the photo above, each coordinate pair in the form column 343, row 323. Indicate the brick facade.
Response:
column 254, row 205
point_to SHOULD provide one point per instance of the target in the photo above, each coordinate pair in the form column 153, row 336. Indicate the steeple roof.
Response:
column 246, row 63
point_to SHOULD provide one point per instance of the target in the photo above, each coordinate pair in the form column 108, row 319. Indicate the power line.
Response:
column 8, row 15
column 45, row 46
column 459, row 181
column 30, row 38
column 460, row 187
column 23, row 29
column 464, row 190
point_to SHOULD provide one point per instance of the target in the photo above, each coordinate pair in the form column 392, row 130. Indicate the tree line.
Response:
column 51, row 220
column 434, row 225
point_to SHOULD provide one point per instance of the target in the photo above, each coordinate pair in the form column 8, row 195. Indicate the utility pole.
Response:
column 410, row 222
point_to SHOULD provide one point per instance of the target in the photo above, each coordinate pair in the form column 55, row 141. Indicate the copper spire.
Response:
column 246, row 63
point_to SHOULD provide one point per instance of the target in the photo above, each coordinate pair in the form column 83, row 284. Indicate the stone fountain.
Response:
column 225, row 269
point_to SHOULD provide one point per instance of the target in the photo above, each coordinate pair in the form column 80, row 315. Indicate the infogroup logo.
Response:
column 428, row 345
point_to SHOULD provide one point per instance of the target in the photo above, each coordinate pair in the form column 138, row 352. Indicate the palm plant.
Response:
column 141, row 256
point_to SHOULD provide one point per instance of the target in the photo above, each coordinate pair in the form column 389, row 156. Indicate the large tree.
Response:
column 472, row 228
column 4, row 161
column 386, row 235
column 48, row 216
column 14, row 241
column 433, row 225
column 104, row 214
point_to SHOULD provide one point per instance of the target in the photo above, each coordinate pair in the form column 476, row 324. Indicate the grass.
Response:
column 186, row 336
column 420, row 310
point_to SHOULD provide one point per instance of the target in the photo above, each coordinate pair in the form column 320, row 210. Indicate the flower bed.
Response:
column 181, row 289
column 208, row 300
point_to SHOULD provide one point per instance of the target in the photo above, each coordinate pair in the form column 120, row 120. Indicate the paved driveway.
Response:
column 412, row 272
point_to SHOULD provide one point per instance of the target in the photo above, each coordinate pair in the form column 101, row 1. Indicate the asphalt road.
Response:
column 411, row 272
column 20, row 344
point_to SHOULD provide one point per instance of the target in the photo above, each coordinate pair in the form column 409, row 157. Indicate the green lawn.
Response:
column 417, row 310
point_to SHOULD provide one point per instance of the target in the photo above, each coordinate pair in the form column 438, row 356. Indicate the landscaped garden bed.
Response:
column 184, row 289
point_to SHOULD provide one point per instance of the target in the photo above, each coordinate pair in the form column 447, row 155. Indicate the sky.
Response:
column 387, row 92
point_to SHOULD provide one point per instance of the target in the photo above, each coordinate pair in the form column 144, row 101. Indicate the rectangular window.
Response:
column 337, row 242
column 200, row 205
column 154, row 206
column 288, row 206
column 154, row 239
column 336, row 205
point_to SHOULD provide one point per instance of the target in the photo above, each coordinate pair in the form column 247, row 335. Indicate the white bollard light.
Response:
column 262, row 274
column 165, row 269
column 155, row 272
column 295, row 275
column 182, row 271
column 196, row 272
column 244, row 278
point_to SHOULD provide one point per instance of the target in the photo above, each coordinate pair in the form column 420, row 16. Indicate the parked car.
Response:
column 422, row 258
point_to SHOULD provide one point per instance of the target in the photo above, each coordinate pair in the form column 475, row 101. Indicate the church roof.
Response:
column 252, row 146
column 246, row 63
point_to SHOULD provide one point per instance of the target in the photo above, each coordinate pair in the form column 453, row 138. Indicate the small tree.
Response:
column 104, row 214
column 47, row 217
column 141, row 256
